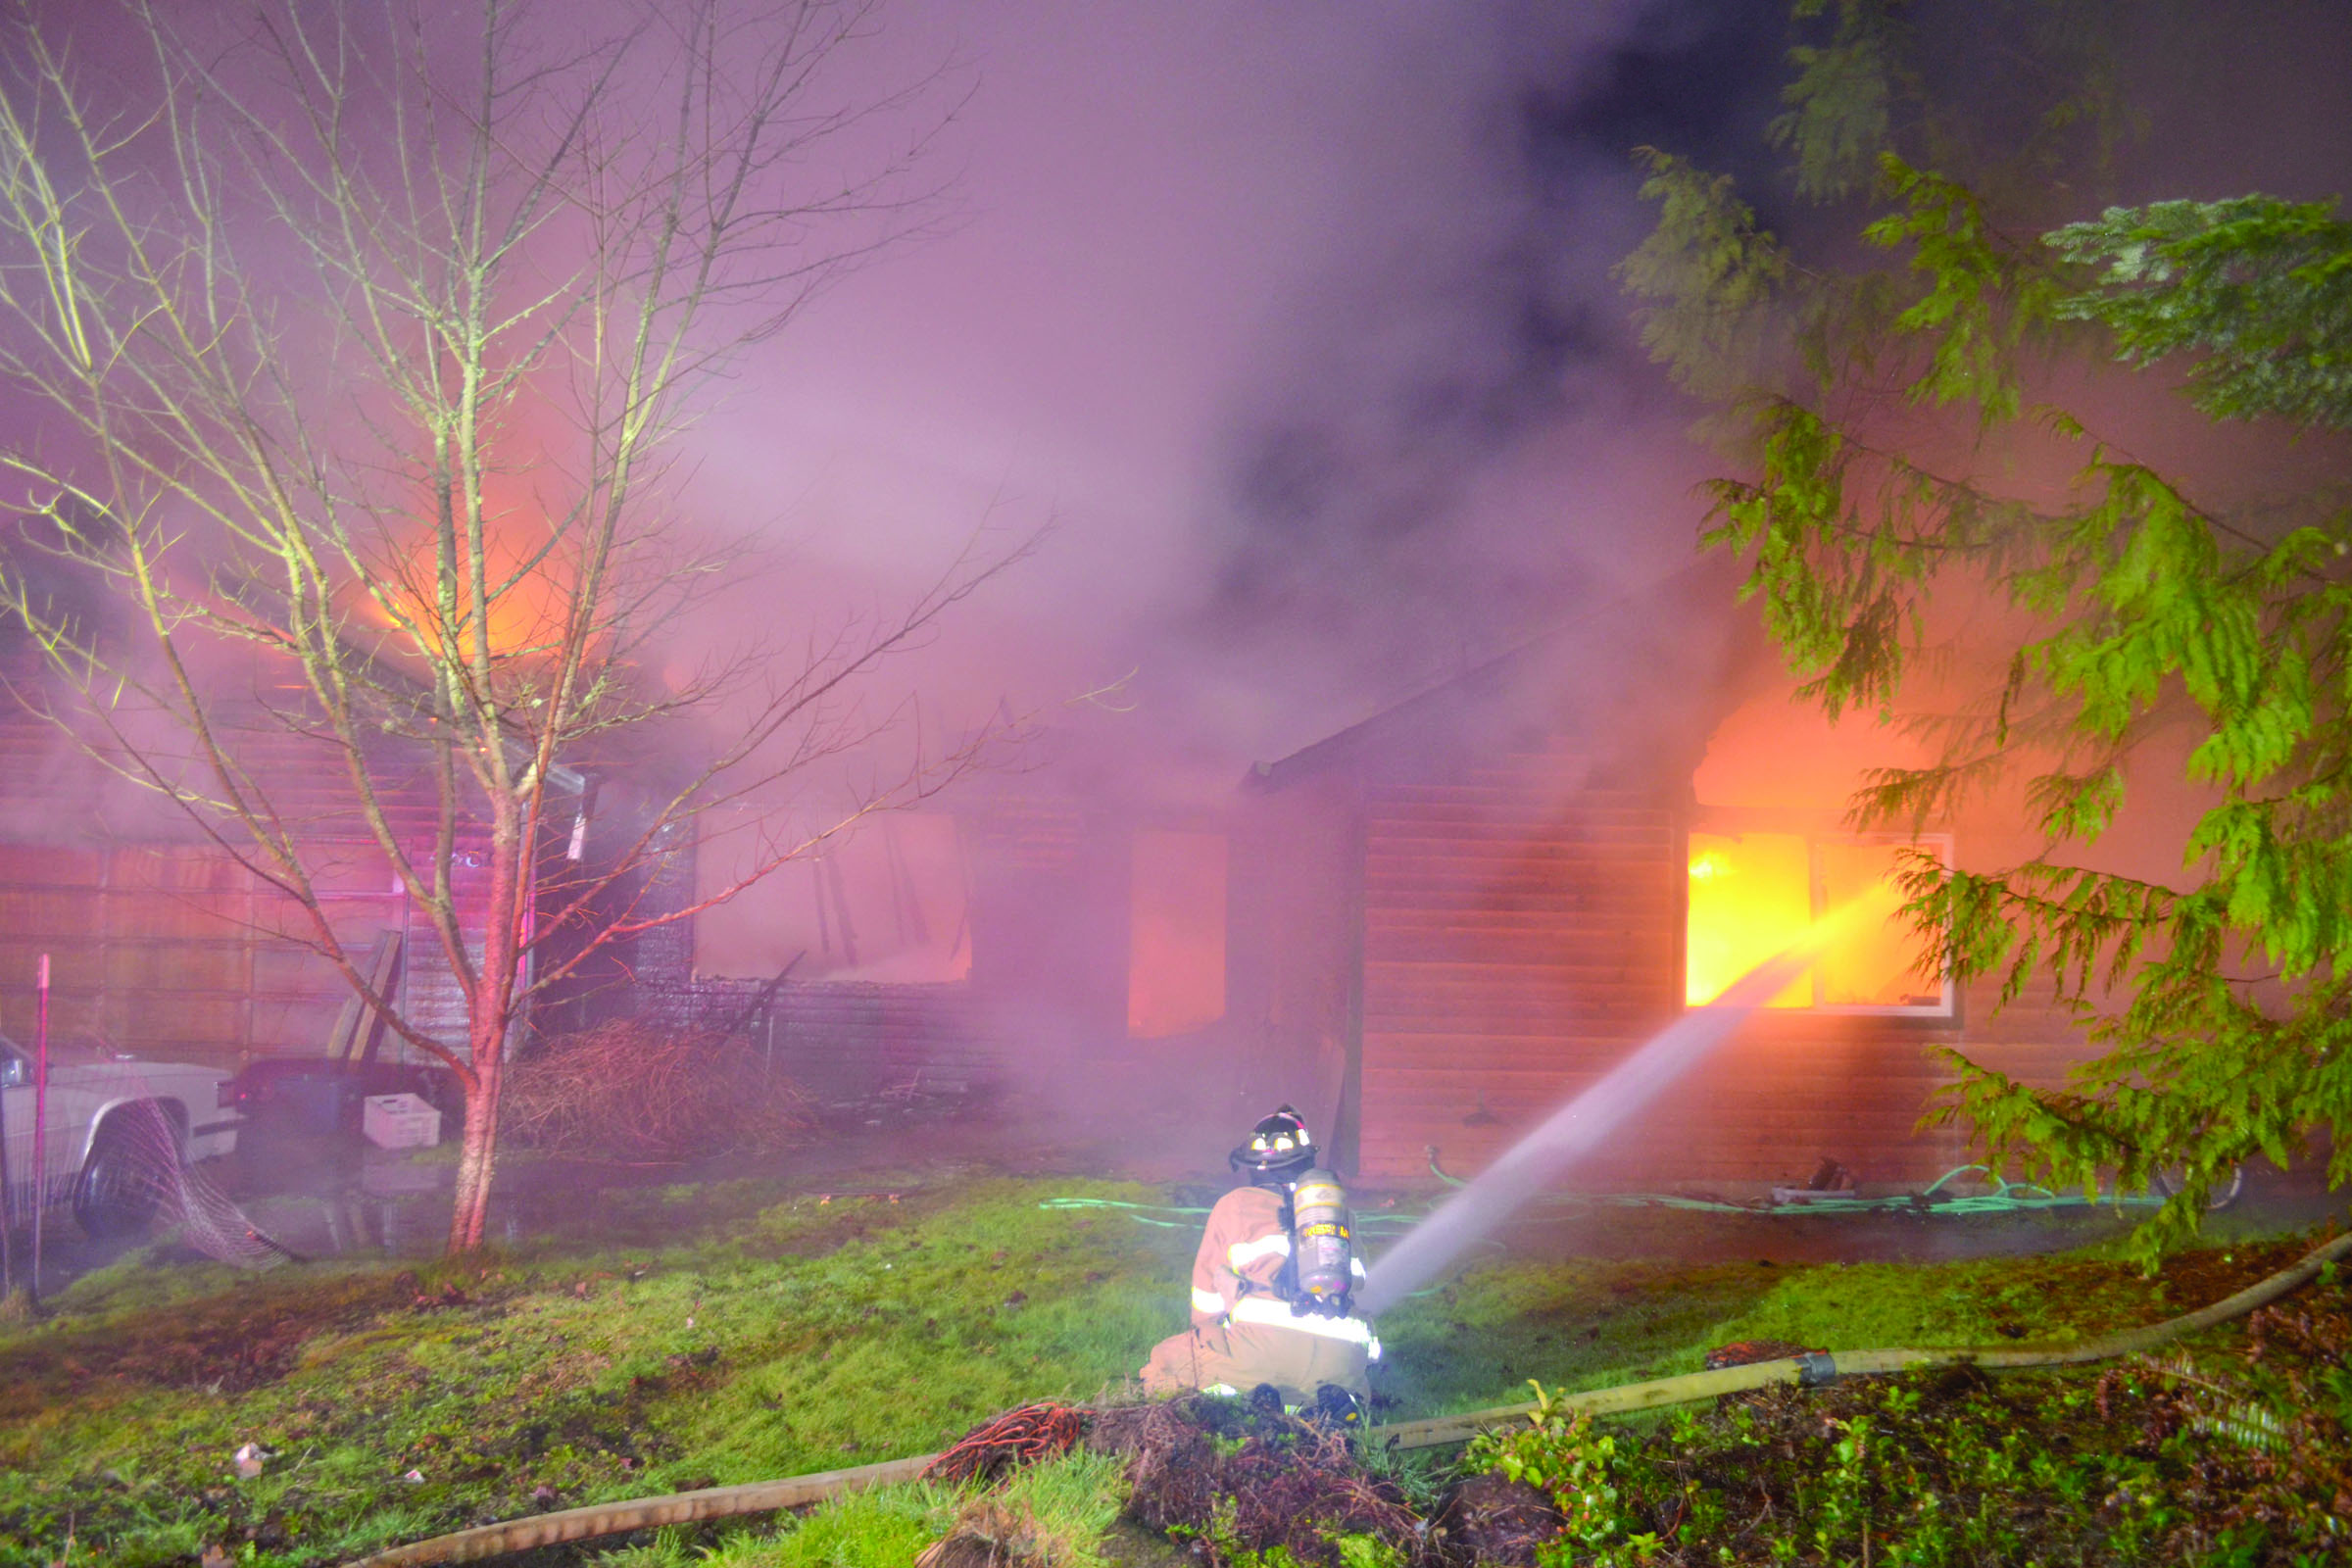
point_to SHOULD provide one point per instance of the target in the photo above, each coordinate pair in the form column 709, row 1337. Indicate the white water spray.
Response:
column 1580, row 1126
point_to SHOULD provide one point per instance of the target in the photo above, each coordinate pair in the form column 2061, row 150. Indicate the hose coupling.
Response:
column 1815, row 1369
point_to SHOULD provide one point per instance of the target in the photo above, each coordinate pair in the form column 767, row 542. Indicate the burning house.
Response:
column 1426, row 929
column 1452, row 916
column 1035, row 923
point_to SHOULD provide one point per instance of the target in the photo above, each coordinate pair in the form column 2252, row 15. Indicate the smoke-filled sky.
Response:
column 1296, row 320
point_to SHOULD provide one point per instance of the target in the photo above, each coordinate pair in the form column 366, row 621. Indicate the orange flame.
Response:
column 530, row 600
column 1755, row 895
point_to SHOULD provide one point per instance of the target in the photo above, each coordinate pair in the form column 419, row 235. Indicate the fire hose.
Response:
column 1805, row 1371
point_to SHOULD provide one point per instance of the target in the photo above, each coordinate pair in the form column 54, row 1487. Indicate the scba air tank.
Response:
column 1322, row 1243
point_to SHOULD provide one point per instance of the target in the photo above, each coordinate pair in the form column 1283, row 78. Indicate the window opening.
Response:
column 1176, row 934
column 1750, row 893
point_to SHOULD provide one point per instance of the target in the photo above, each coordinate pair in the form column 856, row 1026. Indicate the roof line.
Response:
column 1269, row 774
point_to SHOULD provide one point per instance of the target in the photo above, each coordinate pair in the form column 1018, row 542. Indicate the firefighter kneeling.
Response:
column 1272, row 1286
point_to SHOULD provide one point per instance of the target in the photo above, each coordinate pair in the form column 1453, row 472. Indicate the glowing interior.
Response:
column 1874, row 962
column 1751, row 894
column 1176, row 964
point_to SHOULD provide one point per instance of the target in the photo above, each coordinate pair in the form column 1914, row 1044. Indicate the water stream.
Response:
column 1580, row 1126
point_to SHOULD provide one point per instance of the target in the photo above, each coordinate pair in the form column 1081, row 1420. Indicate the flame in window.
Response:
column 1751, row 894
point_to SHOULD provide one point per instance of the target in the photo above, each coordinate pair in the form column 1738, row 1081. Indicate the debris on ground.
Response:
column 634, row 1089
column 2232, row 1451
column 1018, row 1437
column 987, row 1535
column 1495, row 1520
column 1748, row 1352
column 1233, row 1479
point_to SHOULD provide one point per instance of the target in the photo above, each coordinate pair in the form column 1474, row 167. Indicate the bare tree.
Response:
column 357, row 344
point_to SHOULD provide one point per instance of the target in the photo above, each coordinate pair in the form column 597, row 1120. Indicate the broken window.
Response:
column 884, row 900
column 1751, row 894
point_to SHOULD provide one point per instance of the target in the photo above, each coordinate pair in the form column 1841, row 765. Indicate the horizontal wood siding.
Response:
column 170, row 952
column 1501, row 977
column 846, row 1041
column 161, row 943
column 1522, row 896
column 1791, row 1089
column 1520, row 934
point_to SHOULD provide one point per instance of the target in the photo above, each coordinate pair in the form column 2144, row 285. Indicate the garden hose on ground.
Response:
column 2006, row 1198
column 647, row 1513
column 1811, row 1371
column 1806, row 1371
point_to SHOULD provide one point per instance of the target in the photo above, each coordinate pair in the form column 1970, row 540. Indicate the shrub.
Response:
column 1561, row 1454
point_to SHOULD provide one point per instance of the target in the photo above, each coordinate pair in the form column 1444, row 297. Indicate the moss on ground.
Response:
column 739, row 1334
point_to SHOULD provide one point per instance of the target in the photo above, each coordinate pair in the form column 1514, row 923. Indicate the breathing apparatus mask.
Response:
column 1279, row 1151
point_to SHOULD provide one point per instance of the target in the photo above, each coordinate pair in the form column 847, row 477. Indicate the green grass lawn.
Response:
column 747, row 1335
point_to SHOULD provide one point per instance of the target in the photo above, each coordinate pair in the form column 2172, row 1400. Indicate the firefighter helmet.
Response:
column 1279, row 1148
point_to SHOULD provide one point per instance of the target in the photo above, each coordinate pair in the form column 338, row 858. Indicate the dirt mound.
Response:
column 1495, row 1520
column 1233, row 1480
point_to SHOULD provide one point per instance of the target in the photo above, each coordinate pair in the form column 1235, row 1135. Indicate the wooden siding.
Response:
column 1789, row 1090
column 851, row 1041
column 159, row 942
column 1467, row 1057
column 170, row 952
column 1520, row 933
column 1515, row 905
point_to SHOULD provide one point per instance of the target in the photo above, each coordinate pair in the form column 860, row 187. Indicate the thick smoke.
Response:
column 1459, row 441
column 1297, row 324
column 1294, row 325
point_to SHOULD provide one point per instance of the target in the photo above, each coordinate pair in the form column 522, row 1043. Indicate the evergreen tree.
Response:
column 1879, row 359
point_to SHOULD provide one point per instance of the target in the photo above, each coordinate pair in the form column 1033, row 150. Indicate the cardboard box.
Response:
column 399, row 1121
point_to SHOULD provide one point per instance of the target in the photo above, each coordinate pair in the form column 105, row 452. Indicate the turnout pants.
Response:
column 1235, row 1357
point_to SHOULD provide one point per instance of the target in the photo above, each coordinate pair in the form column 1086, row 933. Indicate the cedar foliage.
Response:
column 1927, row 284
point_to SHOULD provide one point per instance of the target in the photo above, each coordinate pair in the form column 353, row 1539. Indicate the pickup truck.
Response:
column 120, row 1128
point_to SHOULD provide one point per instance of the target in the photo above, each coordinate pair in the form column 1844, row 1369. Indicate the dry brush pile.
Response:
column 630, row 1089
column 1239, row 1485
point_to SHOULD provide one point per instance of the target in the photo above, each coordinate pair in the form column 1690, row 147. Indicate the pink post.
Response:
column 40, row 1120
